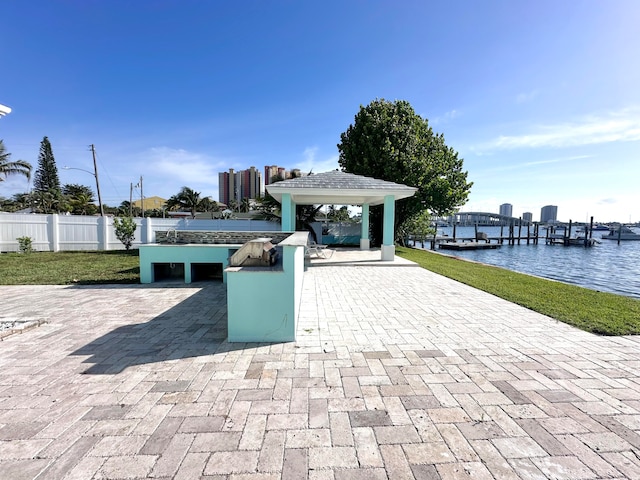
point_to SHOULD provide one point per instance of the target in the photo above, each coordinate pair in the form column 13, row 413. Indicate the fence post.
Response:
column 54, row 229
column 147, row 228
column 103, row 237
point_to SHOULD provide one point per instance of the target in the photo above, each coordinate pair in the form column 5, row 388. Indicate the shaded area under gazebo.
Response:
column 340, row 188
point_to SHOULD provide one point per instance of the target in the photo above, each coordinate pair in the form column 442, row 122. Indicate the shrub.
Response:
column 125, row 230
column 25, row 244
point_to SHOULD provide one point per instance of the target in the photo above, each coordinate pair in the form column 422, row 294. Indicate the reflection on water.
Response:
column 607, row 267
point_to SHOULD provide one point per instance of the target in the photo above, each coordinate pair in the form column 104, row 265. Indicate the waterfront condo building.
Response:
column 273, row 173
column 527, row 217
column 506, row 209
column 239, row 185
column 549, row 214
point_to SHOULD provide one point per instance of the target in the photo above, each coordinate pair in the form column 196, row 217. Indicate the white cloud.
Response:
column 557, row 160
column 446, row 118
column 526, row 97
column 621, row 126
column 14, row 184
column 311, row 163
column 184, row 166
column 620, row 208
column 516, row 166
column 166, row 170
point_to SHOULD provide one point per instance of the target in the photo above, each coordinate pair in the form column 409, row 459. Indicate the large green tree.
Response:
column 7, row 167
column 46, row 178
column 19, row 201
column 390, row 141
column 79, row 199
column 338, row 214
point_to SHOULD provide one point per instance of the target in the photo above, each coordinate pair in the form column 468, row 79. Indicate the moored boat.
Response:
column 621, row 233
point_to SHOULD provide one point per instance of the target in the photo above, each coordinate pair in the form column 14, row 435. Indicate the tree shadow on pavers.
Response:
column 195, row 327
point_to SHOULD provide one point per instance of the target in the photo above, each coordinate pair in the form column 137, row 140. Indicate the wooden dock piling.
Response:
column 519, row 229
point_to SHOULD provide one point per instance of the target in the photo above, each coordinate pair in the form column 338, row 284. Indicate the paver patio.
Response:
column 397, row 373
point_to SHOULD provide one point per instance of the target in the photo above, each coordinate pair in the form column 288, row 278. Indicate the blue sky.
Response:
column 541, row 99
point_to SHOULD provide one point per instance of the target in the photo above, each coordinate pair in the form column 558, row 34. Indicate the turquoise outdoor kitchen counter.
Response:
column 186, row 254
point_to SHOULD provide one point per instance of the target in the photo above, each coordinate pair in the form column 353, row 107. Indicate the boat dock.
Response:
column 553, row 235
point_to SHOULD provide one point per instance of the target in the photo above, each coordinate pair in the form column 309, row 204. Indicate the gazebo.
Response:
column 340, row 188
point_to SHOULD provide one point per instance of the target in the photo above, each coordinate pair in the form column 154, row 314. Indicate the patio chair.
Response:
column 320, row 251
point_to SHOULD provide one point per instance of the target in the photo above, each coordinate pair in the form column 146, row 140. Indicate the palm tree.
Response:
column 19, row 167
column 127, row 209
column 48, row 202
column 233, row 205
column 19, row 201
column 82, row 204
column 187, row 199
column 207, row 204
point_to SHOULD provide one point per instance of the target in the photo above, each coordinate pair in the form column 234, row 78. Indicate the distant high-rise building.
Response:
column 273, row 173
column 239, row 185
column 226, row 186
column 527, row 217
column 549, row 214
column 251, row 183
column 506, row 209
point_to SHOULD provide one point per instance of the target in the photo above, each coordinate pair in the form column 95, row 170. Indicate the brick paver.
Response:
column 397, row 373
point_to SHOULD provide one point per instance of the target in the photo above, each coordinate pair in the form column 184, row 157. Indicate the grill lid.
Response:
column 257, row 252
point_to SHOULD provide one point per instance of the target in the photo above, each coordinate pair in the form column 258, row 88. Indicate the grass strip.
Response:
column 69, row 268
column 596, row 312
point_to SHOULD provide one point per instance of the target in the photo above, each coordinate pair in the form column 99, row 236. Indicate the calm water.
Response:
column 607, row 267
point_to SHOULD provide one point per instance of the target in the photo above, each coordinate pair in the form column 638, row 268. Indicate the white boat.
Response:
column 622, row 232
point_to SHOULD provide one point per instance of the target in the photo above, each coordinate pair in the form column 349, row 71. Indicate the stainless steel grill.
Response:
column 259, row 252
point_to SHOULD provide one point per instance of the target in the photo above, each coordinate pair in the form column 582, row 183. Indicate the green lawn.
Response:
column 67, row 268
column 596, row 312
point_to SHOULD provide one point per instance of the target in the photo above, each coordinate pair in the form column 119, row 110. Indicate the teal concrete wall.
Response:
column 258, row 309
column 263, row 303
column 186, row 254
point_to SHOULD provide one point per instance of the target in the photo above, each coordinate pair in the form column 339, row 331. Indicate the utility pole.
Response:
column 95, row 174
column 131, row 199
column 141, row 197
column 139, row 184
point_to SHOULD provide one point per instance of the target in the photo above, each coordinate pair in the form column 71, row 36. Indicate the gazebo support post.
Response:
column 364, row 234
column 388, row 246
column 288, row 211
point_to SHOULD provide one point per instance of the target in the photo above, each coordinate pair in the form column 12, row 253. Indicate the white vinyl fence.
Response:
column 75, row 232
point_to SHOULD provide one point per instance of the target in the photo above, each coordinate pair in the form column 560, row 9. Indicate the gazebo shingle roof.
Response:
column 339, row 188
column 337, row 179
